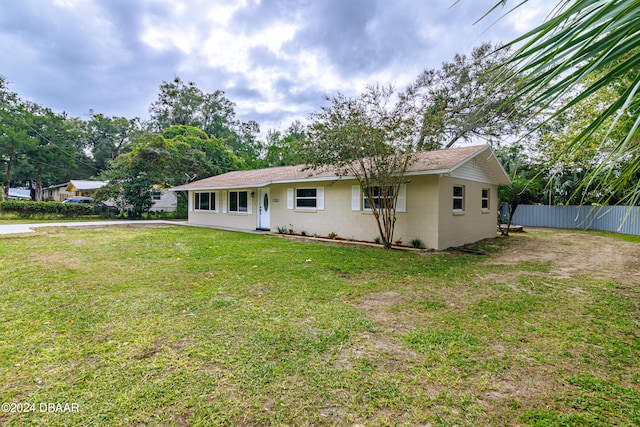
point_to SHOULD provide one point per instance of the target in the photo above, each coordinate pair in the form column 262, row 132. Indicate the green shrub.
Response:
column 28, row 209
column 162, row 215
column 417, row 243
column 182, row 208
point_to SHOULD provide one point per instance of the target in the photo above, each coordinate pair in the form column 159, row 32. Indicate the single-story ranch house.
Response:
column 450, row 199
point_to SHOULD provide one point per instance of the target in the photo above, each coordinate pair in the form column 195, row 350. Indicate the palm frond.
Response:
column 558, row 61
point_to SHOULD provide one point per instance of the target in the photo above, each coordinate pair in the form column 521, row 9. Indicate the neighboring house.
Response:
column 56, row 193
column 83, row 188
column 163, row 200
column 73, row 188
column 19, row 194
column 450, row 199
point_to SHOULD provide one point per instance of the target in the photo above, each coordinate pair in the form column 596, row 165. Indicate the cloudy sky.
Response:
column 275, row 59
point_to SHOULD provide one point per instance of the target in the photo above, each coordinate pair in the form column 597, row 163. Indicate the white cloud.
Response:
column 274, row 58
column 69, row 4
column 528, row 16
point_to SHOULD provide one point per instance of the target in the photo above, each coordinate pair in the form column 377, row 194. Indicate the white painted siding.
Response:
column 475, row 170
column 168, row 202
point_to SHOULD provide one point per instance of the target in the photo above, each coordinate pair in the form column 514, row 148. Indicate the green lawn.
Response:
column 188, row 326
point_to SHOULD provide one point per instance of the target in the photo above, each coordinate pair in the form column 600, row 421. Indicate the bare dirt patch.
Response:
column 378, row 306
column 574, row 254
column 53, row 259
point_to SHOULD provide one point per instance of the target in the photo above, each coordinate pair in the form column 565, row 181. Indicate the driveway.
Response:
column 29, row 228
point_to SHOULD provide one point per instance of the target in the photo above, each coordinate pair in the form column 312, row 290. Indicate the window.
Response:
column 306, row 198
column 458, row 198
column 204, row 201
column 238, row 201
column 379, row 196
column 485, row 199
column 156, row 195
column 358, row 200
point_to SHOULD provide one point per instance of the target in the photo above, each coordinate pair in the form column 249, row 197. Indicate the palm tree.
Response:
column 583, row 47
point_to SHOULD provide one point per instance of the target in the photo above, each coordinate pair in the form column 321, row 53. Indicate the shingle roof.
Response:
column 429, row 162
column 439, row 161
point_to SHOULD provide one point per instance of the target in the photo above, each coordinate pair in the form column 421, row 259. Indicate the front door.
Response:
column 265, row 209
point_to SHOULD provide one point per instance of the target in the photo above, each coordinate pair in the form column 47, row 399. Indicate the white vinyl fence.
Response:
column 619, row 219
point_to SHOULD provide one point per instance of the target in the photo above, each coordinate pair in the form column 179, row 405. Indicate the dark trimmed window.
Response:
column 458, row 197
column 306, row 198
column 485, row 199
column 379, row 195
column 204, row 201
column 238, row 201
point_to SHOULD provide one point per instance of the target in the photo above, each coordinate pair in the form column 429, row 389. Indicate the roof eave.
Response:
column 262, row 184
column 298, row 180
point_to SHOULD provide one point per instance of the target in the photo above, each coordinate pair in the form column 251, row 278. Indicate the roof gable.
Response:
column 482, row 167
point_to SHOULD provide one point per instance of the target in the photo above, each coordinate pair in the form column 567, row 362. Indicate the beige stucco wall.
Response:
column 337, row 216
column 242, row 221
column 419, row 221
column 471, row 225
column 422, row 212
column 429, row 213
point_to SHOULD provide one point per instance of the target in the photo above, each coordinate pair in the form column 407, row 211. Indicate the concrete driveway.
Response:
column 29, row 228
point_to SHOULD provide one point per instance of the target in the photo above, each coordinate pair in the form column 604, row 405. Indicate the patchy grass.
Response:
column 184, row 326
column 625, row 237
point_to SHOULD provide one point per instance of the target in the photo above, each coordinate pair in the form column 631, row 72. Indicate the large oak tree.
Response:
column 170, row 158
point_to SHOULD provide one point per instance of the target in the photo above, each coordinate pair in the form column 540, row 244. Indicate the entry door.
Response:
column 265, row 209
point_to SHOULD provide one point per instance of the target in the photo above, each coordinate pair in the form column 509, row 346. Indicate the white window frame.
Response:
column 299, row 198
column 292, row 199
column 485, row 200
column 460, row 198
column 247, row 208
column 365, row 200
column 156, row 195
column 196, row 200
column 401, row 200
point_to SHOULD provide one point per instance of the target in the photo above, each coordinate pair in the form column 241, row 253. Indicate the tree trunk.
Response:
column 32, row 191
column 512, row 210
column 7, row 182
column 38, row 195
column 383, row 235
column 388, row 231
